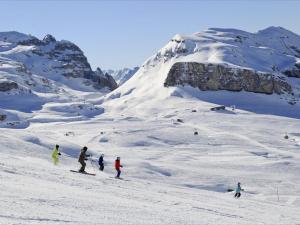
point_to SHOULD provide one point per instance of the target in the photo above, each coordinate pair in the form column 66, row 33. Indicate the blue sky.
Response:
column 117, row 34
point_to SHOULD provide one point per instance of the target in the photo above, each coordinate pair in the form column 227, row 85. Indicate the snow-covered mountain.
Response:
column 263, row 66
column 48, row 60
column 122, row 75
column 34, row 72
column 224, row 59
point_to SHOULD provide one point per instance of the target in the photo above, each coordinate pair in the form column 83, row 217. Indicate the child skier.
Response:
column 101, row 162
column 55, row 154
column 238, row 190
column 82, row 157
column 118, row 166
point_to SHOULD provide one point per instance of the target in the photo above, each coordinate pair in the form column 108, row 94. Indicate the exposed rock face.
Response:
column 223, row 77
column 104, row 80
column 35, row 41
column 48, row 39
column 7, row 85
column 294, row 72
column 2, row 117
column 74, row 64
column 31, row 41
column 70, row 58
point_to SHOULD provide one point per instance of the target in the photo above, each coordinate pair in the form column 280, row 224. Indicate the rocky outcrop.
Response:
column 2, row 117
column 48, row 39
column 104, row 80
column 31, row 41
column 7, row 85
column 294, row 72
column 35, row 41
column 73, row 63
column 223, row 77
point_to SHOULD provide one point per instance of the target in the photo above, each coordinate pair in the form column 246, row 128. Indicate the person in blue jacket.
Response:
column 238, row 190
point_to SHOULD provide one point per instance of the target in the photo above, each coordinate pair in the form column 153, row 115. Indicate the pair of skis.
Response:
column 86, row 173
column 93, row 174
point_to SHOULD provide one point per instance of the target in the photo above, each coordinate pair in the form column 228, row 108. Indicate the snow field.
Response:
column 170, row 175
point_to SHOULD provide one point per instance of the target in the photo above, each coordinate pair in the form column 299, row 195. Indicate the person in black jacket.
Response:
column 82, row 157
column 101, row 162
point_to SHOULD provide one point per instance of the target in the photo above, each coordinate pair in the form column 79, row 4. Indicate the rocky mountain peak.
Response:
column 48, row 39
column 99, row 72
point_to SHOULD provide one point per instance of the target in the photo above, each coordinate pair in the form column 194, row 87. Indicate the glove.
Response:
column 59, row 153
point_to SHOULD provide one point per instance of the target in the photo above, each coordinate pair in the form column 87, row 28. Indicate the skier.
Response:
column 55, row 154
column 101, row 162
column 82, row 157
column 238, row 190
column 118, row 166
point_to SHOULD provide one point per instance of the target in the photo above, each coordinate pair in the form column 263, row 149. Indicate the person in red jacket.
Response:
column 118, row 166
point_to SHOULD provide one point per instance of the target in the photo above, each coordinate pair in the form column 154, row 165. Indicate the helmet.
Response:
column 239, row 183
column 56, row 146
column 85, row 148
column 118, row 158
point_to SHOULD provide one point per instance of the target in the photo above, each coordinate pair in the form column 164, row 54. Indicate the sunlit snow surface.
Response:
column 170, row 175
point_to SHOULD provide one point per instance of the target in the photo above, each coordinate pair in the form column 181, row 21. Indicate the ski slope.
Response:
column 170, row 175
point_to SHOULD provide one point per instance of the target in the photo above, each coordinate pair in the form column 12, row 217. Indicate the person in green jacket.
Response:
column 55, row 154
